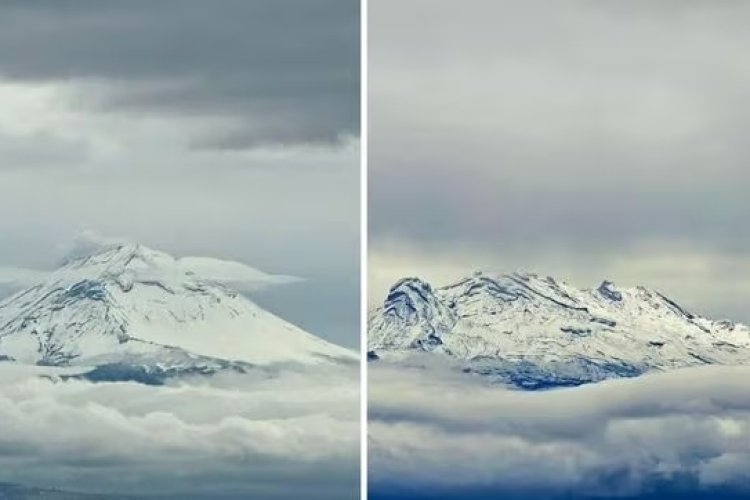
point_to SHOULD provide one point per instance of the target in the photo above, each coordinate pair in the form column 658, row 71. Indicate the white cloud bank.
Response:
column 433, row 430
column 233, row 436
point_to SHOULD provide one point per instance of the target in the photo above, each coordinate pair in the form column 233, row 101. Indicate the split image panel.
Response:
column 557, row 233
column 179, row 249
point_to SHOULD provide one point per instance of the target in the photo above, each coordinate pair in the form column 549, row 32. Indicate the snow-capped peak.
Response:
column 545, row 329
column 126, row 300
column 418, row 317
column 114, row 258
column 125, row 264
column 409, row 296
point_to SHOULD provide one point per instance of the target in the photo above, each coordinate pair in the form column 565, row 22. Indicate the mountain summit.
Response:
column 128, row 304
column 537, row 332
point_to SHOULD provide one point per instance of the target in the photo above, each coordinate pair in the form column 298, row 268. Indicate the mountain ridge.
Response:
column 125, row 303
column 537, row 331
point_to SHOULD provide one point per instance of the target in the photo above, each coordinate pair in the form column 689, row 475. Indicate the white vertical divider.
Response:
column 363, row 249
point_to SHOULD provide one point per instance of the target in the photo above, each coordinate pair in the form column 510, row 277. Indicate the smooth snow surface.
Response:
column 126, row 301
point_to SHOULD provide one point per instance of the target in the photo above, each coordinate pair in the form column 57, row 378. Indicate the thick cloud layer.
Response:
column 224, row 437
column 279, row 72
column 576, row 138
column 684, row 431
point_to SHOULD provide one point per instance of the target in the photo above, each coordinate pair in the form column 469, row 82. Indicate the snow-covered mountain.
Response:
column 128, row 305
column 538, row 332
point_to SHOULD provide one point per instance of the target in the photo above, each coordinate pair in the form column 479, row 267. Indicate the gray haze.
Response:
column 227, row 129
column 436, row 431
column 583, row 139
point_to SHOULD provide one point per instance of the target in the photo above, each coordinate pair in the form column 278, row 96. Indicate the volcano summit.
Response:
column 127, row 305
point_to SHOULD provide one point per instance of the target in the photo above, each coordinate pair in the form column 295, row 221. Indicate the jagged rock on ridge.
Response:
column 539, row 332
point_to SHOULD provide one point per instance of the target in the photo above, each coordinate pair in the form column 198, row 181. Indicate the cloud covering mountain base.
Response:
column 226, row 436
column 439, row 434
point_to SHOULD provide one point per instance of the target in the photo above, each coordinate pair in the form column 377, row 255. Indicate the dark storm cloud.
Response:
column 280, row 72
column 543, row 128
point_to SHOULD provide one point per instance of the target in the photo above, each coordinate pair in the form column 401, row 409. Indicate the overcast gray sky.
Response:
column 227, row 129
column 581, row 139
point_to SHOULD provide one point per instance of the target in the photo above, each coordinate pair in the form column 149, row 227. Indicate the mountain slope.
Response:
column 126, row 303
column 537, row 332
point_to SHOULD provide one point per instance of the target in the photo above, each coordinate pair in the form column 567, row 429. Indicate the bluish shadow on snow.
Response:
column 535, row 375
column 156, row 375
column 143, row 374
